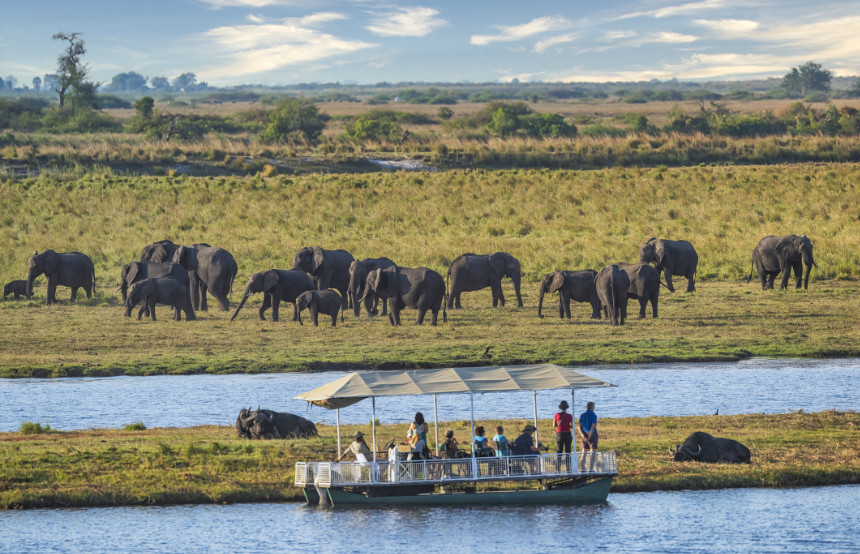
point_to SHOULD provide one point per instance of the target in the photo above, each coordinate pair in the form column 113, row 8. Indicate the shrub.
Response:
column 136, row 426
column 30, row 428
column 294, row 118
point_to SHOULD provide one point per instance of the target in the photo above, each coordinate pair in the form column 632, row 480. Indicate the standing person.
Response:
column 588, row 431
column 418, row 426
column 563, row 430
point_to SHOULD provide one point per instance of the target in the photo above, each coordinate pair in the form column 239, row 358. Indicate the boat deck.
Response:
column 449, row 471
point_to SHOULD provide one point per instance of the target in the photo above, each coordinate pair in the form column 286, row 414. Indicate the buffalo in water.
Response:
column 702, row 447
column 268, row 424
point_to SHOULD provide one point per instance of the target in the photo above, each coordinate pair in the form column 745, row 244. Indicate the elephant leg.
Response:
column 560, row 307
column 565, row 301
column 142, row 308
column 642, row 303
column 52, row 290
column 434, row 316
column 276, row 305
column 90, row 290
column 189, row 312
column 595, row 309
column 202, row 290
column 267, row 302
column 394, row 310
column 223, row 301
column 151, row 304
column 74, row 295
column 669, row 284
column 798, row 274
column 177, row 315
column 314, row 314
column 295, row 312
column 422, row 311
column 691, row 282
column 454, row 297
column 654, row 300
column 334, row 318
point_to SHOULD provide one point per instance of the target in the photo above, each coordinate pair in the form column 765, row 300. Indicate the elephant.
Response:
column 210, row 268
column 261, row 424
column 280, row 285
column 326, row 301
column 69, row 269
column 328, row 268
column 773, row 255
column 612, row 284
column 644, row 285
column 18, row 288
column 358, row 271
column 702, row 447
column 673, row 257
column 134, row 272
column 163, row 290
column 570, row 285
column 416, row 287
column 161, row 251
column 470, row 272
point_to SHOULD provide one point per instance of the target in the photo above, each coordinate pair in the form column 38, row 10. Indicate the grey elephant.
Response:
column 644, row 285
column 328, row 268
column 570, row 285
column 358, row 271
column 164, row 290
column 134, row 272
column 68, row 269
column 210, row 268
column 672, row 257
column 279, row 285
column 612, row 284
column 773, row 255
column 161, row 251
column 18, row 288
column 471, row 272
column 326, row 301
column 420, row 288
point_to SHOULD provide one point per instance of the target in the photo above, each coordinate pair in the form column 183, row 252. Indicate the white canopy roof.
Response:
column 359, row 385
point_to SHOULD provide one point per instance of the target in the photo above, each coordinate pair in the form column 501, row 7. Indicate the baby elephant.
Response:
column 165, row 290
column 316, row 301
column 18, row 288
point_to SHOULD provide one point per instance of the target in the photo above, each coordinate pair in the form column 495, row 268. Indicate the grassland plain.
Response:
column 547, row 219
column 104, row 467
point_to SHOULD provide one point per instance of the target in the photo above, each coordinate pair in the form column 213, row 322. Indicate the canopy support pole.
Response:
column 472, row 436
column 573, row 430
column 436, row 422
column 373, row 424
column 337, row 420
column 534, row 400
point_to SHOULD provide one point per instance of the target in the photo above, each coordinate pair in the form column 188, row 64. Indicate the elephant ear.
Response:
column 270, row 279
column 557, row 281
column 133, row 270
column 52, row 261
column 497, row 263
column 318, row 259
column 304, row 299
column 179, row 254
column 783, row 244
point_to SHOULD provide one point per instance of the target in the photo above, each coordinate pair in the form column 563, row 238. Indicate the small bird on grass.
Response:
column 486, row 355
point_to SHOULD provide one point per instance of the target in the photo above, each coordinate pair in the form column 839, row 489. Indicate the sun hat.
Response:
column 358, row 435
column 563, row 405
column 528, row 428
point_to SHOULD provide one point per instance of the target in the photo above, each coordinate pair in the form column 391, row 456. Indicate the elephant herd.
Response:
column 331, row 281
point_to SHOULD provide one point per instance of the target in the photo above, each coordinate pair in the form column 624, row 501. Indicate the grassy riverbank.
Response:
column 210, row 464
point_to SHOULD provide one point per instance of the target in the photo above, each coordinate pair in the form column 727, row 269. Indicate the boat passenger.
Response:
column 563, row 428
column 481, row 444
column 358, row 447
column 449, row 448
column 588, row 432
column 524, row 445
column 419, row 426
column 503, row 445
column 418, row 447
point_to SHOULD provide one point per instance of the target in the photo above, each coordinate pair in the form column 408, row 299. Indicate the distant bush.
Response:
column 22, row 114
column 294, row 120
column 109, row 101
column 136, row 426
column 78, row 121
column 30, row 428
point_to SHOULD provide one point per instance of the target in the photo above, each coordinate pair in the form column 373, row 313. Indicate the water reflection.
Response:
column 751, row 386
column 737, row 520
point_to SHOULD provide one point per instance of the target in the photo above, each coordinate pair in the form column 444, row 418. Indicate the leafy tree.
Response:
column 445, row 113
column 505, row 121
column 11, row 81
column 37, row 83
column 145, row 107
column 806, row 78
column 71, row 71
column 186, row 81
column 159, row 83
column 298, row 117
column 123, row 82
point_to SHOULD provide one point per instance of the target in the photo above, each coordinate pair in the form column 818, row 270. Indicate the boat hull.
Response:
column 580, row 493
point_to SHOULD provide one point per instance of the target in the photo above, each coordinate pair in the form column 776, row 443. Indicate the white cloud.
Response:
column 518, row 32
column 407, row 22
column 694, row 8
column 543, row 45
column 250, row 49
column 729, row 27
column 618, row 35
column 668, row 37
column 248, row 3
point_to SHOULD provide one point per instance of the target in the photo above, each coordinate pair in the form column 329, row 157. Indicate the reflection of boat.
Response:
column 509, row 480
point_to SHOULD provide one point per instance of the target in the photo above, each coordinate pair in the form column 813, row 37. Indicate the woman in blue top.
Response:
column 482, row 445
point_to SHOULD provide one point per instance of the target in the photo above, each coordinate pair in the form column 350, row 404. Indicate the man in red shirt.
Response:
column 563, row 428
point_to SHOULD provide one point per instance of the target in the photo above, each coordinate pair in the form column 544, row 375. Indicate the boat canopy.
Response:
column 359, row 385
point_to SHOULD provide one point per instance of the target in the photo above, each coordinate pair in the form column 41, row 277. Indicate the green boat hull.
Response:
column 581, row 493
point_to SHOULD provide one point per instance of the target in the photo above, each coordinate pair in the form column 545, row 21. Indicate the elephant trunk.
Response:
column 355, row 291
column 540, row 301
column 241, row 303
column 31, row 278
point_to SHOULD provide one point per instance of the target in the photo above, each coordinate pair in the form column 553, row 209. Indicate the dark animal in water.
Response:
column 702, row 447
column 268, row 424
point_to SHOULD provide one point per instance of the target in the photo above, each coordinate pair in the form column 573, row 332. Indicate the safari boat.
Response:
column 509, row 480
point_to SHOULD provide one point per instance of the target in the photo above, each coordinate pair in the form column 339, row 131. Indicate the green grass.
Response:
column 104, row 467
column 547, row 219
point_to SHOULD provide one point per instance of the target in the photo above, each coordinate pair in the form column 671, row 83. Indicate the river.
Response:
column 750, row 386
column 820, row 519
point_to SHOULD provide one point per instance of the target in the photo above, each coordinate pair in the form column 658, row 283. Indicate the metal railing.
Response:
column 441, row 471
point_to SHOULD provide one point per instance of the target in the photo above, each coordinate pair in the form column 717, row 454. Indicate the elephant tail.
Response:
column 662, row 283
column 445, row 297
column 752, row 269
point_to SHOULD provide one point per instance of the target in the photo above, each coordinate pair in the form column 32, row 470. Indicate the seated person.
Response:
column 358, row 447
column 481, row 444
column 449, row 447
column 503, row 445
column 524, row 445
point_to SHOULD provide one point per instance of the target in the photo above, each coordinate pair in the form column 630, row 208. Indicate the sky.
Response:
column 283, row 42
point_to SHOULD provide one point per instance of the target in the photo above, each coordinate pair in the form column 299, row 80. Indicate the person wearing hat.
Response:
column 563, row 428
column 359, row 448
column 525, row 444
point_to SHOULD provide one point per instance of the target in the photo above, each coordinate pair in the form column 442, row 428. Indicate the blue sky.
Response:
column 277, row 42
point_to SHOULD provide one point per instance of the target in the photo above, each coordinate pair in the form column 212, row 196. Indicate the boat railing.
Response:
column 441, row 471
